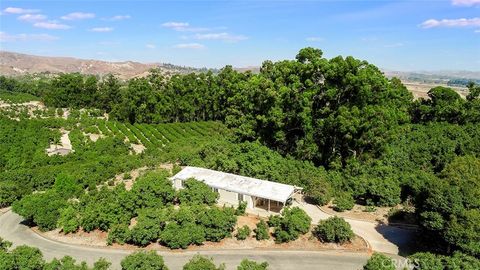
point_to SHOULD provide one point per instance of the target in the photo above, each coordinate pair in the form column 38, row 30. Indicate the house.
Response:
column 234, row 189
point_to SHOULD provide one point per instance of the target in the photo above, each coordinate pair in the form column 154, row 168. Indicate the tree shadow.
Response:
column 405, row 238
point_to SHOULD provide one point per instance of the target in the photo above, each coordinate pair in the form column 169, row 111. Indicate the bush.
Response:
column 218, row 223
column 198, row 262
column 379, row 262
column 196, row 192
column 252, row 265
column 142, row 260
column 243, row 232
column 26, row 257
column 274, row 220
column 181, row 236
column 241, row 208
column 69, row 220
column 343, row 202
column 294, row 222
column 261, row 231
column 333, row 229
column 153, row 190
column 118, row 233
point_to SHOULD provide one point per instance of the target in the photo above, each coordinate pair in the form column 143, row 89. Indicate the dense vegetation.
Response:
column 338, row 127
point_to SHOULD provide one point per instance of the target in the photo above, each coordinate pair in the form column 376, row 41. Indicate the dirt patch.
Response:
column 93, row 136
column 359, row 212
column 137, row 148
column 65, row 146
column 305, row 242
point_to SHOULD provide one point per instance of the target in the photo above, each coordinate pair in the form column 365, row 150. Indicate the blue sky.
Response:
column 396, row 35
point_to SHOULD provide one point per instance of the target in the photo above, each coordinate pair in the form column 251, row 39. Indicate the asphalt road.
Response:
column 12, row 230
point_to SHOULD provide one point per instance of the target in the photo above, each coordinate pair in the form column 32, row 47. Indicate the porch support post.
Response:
column 268, row 205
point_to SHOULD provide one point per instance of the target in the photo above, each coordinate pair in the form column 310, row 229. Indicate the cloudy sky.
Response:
column 397, row 35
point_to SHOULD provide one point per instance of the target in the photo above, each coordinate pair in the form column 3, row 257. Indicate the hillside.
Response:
column 14, row 64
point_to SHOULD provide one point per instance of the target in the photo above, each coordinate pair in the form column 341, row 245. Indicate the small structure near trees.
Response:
column 234, row 189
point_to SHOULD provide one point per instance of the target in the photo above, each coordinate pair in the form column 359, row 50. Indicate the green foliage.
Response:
column 150, row 223
column 28, row 258
column 196, row 192
column 246, row 264
column 199, row 262
column 181, row 236
column 218, row 222
column 344, row 201
column 69, row 220
column 142, row 260
column 41, row 208
column 333, row 229
column 240, row 211
column 243, row 232
column 153, row 190
column 294, row 222
column 429, row 261
column 118, row 233
column 261, row 231
column 379, row 262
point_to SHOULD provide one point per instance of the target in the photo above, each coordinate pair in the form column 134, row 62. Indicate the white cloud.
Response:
column 451, row 23
column 51, row 25
column 221, row 36
column 14, row 10
column 183, row 27
column 195, row 46
column 32, row 17
column 101, row 29
column 467, row 3
column 4, row 37
column 150, row 46
column 314, row 39
column 78, row 16
column 118, row 18
column 477, row 31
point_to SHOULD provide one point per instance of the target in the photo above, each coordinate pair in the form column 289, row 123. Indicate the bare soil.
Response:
column 305, row 242
column 358, row 212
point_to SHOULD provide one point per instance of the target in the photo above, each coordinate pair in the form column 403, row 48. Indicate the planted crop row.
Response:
column 146, row 133
column 131, row 137
column 103, row 128
column 166, row 133
column 144, row 140
column 156, row 133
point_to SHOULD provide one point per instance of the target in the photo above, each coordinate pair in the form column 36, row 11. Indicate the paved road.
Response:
column 12, row 230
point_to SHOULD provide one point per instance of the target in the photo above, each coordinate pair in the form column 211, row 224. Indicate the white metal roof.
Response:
column 237, row 183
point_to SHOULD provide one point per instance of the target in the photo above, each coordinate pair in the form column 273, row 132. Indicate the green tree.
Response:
column 199, row 262
column 261, row 231
column 196, row 192
column 246, row 264
column 333, row 229
column 142, row 260
column 243, row 232
column 379, row 262
column 28, row 258
column 344, row 201
column 293, row 223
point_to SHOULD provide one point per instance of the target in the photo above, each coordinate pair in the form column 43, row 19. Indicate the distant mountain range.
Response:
column 15, row 64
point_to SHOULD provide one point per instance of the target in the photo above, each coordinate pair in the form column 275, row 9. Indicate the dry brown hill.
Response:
column 14, row 64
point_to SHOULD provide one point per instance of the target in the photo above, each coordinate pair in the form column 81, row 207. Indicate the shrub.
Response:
column 199, row 262
column 176, row 236
column 218, row 223
column 118, row 233
column 333, row 229
column 69, row 220
column 426, row 261
column 196, row 192
column 142, row 260
column 243, row 232
column 153, row 190
column 26, row 257
column 252, row 265
column 261, row 231
column 274, row 220
column 379, row 262
column 294, row 222
column 241, row 208
column 343, row 202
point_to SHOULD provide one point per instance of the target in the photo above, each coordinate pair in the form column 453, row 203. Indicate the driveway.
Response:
column 381, row 238
column 12, row 230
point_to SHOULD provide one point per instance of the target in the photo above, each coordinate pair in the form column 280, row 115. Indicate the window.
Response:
column 240, row 197
column 215, row 190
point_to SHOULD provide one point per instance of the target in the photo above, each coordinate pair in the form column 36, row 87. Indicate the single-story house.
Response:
column 234, row 189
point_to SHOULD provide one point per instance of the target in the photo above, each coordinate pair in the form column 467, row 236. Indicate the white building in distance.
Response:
column 234, row 189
